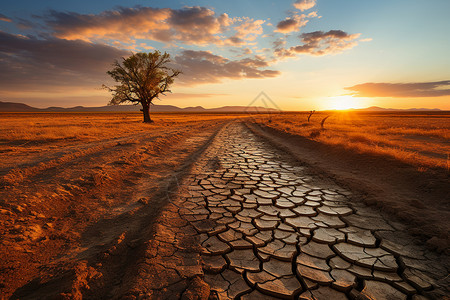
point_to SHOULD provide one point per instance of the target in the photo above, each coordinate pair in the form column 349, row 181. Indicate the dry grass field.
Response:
column 419, row 138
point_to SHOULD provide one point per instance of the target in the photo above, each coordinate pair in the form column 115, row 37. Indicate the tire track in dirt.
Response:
column 90, row 207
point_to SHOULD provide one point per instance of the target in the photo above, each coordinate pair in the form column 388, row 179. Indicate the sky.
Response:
column 303, row 54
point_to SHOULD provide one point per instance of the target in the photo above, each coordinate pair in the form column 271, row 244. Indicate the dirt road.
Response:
column 251, row 222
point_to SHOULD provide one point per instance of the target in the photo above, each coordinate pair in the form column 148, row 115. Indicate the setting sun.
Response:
column 343, row 102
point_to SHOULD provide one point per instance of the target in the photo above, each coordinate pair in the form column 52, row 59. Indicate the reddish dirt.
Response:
column 79, row 213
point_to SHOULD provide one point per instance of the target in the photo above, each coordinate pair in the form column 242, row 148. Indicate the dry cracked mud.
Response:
column 267, row 229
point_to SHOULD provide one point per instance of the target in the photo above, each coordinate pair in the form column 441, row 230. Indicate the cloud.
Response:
column 4, row 18
column 200, row 67
column 291, row 24
column 320, row 43
column 29, row 63
column 304, row 4
column 401, row 90
column 190, row 25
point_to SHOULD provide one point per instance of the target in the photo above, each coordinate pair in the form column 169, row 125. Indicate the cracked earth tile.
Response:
column 313, row 198
column 213, row 264
column 338, row 263
column 343, row 280
column 265, row 236
column 292, row 239
column 237, row 198
column 234, row 209
column 268, row 210
column 255, row 241
column 262, row 256
column 331, row 221
column 285, row 190
column 241, row 244
column 335, row 211
column 250, row 205
column 243, row 219
column 322, row 293
column 359, row 237
column 230, row 202
column 264, row 201
column 269, row 218
column 252, row 213
column 297, row 200
column 404, row 288
column 319, row 276
column 285, row 227
column 265, row 225
column 284, row 203
column 213, row 246
column 312, row 203
column 204, row 226
column 305, row 211
column 228, row 285
column 328, row 235
column 216, row 198
column 286, row 213
column 237, row 286
column 313, row 262
column 318, row 250
column 259, row 277
column 380, row 290
column 285, row 287
column 386, row 276
column 302, row 222
column 279, row 250
column 245, row 228
column 265, row 194
column 277, row 267
column 418, row 279
column 243, row 259
column 229, row 235
column 364, row 273
column 218, row 284
column 367, row 257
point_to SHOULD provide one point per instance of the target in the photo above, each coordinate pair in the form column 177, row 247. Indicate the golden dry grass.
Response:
column 48, row 127
column 421, row 139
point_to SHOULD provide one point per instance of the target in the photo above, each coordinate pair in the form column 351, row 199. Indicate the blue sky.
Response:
column 331, row 54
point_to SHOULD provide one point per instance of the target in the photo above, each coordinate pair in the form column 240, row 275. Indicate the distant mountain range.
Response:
column 376, row 108
column 21, row 107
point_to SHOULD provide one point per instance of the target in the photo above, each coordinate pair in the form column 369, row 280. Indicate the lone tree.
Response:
column 142, row 77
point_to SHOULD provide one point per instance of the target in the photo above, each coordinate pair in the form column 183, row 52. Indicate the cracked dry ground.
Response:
column 266, row 229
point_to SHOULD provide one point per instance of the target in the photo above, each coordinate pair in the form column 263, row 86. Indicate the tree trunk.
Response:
column 146, row 112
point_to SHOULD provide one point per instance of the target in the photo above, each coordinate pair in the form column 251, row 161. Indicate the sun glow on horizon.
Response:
column 343, row 103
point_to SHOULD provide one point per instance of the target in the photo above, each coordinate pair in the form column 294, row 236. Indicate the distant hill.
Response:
column 16, row 107
column 376, row 108
column 20, row 107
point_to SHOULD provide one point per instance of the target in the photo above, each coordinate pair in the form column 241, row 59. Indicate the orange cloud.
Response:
column 304, row 4
column 201, row 67
column 291, row 24
column 4, row 18
column 190, row 25
column 401, row 90
column 321, row 43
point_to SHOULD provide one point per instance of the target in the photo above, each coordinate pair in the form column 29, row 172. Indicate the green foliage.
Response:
column 141, row 77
